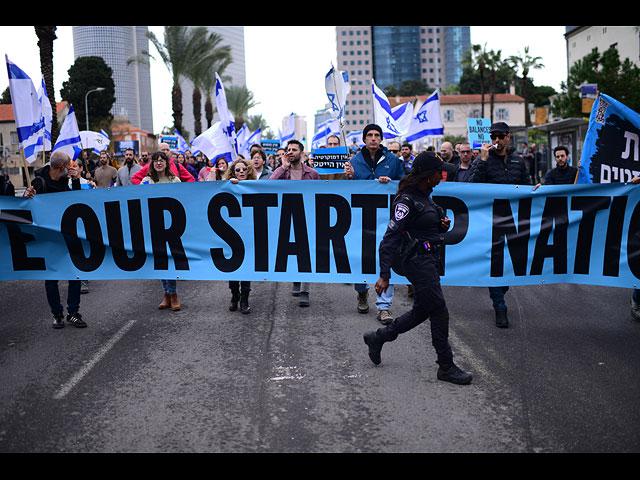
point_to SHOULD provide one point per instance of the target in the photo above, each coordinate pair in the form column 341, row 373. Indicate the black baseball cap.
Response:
column 430, row 161
column 499, row 127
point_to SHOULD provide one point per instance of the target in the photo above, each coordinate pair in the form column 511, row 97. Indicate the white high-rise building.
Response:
column 115, row 45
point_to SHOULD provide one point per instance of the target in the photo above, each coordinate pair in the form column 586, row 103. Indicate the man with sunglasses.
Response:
column 498, row 163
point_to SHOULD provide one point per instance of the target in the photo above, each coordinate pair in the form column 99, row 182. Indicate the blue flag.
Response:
column 610, row 151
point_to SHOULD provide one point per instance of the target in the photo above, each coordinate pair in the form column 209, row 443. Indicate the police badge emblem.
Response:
column 401, row 211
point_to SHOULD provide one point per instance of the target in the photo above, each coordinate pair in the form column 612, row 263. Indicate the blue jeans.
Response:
column 53, row 296
column 169, row 286
column 497, row 295
column 383, row 302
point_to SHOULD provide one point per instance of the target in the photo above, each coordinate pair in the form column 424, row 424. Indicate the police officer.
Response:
column 415, row 230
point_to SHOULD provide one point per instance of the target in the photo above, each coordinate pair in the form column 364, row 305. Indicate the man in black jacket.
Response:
column 498, row 163
column 563, row 174
column 54, row 178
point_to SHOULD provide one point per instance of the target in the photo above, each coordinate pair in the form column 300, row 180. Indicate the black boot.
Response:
column 244, row 303
column 451, row 373
column 233, row 304
column 374, row 342
column 502, row 321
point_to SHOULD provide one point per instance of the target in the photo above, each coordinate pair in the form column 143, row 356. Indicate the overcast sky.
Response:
column 286, row 65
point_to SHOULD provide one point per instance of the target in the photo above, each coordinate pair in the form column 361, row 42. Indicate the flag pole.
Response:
column 340, row 116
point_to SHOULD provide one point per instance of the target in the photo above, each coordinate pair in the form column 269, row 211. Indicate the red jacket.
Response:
column 176, row 168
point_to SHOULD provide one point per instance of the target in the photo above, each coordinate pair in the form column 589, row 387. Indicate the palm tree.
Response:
column 240, row 101
column 477, row 58
column 208, row 81
column 46, row 36
column 525, row 63
column 183, row 49
column 202, row 73
column 496, row 65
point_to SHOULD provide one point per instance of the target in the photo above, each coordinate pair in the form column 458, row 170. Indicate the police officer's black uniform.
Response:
column 412, row 243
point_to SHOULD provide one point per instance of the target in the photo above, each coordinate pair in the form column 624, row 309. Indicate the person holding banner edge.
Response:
column 54, row 178
column 374, row 162
column 415, row 231
column 499, row 164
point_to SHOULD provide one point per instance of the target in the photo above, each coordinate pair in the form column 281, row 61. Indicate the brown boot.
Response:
column 175, row 304
column 165, row 302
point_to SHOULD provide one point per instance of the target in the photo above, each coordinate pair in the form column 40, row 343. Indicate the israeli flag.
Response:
column 329, row 127
column 337, row 86
column 394, row 122
column 427, row 122
column 47, row 114
column 214, row 142
column 289, row 130
column 241, row 137
column 355, row 138
column 183, row 145
column 96, row 141
column 69, row 139
column 250, row 139
column 227, row 122
column 27, row 111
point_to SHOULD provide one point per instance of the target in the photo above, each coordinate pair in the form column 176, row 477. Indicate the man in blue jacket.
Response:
column 374, row 162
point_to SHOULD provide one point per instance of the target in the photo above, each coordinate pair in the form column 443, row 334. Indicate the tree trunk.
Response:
column 208, row 111
column 46, row 36
column 197, row 100
column 176, row 104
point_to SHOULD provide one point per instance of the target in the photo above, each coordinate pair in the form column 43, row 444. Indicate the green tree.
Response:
column 240, row 101
column 203, row 73
column 477, row 58
column 182, row 49
column 496, row 67
column 5, row 99
column 208, row 80
column 86, row 74
column 618, row 79
column 408, row 88
column 46, row 36
column 524, row 63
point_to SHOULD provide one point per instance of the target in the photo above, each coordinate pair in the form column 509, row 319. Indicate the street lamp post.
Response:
column 86, row 105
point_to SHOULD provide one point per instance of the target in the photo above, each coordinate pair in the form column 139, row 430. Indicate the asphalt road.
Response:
column 562, row 378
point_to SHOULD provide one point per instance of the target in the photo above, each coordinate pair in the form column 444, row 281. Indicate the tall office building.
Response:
column 115, row 45
column 234, row 37
column 392, row 54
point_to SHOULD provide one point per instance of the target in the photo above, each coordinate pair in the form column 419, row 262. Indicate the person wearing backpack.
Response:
column 54, row 178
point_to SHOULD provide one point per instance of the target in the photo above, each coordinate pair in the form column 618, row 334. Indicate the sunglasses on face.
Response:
column 497, row 135
column 241, row 169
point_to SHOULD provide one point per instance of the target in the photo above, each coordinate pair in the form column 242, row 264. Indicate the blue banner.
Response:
column 319, row 231
column 610, row 150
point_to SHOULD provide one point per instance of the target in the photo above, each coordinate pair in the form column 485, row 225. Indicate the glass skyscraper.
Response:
column 115, row 45
column 392, row 54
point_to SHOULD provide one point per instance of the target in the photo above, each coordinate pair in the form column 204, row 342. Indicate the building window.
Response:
column 448, row 116
column 502, row 114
